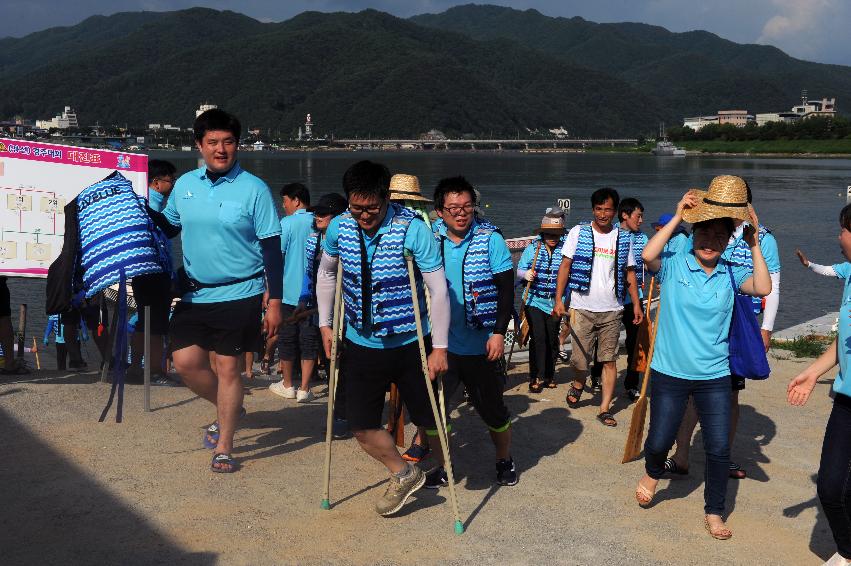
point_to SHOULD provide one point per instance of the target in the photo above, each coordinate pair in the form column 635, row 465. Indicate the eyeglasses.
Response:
column 170, row 180
column 361, row 210
column 457, row 210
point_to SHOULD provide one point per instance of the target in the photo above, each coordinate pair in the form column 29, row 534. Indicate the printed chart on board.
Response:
column 37, row 181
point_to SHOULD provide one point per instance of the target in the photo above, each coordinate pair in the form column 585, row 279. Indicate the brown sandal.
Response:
column 720, row 533
column 551, row 384
column 536, row 386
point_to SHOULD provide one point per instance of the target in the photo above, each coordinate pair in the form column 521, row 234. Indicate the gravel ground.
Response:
column 78, row 492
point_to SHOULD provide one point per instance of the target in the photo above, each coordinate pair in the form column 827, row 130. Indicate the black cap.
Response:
column 331, row 203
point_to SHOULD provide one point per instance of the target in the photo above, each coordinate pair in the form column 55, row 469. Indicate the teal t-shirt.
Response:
column 463, row 340
column 295, row 229
column 694, row 326
column 222, row 225
column 842, row 383
column 420, row 241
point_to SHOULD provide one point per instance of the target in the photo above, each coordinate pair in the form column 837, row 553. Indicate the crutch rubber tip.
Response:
column 459, row 528
column 327, row 505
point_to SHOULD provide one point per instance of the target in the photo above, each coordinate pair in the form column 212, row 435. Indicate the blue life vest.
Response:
column 391, row 308
column 116, row 234
column 583, row 261
column 480, row 292
column 311, row 263
column 740, row 253
column 546, row 271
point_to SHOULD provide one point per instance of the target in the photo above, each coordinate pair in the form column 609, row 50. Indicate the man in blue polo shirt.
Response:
column 297, row 340
column 381, row 347
column 480, row 277
column 231, row 246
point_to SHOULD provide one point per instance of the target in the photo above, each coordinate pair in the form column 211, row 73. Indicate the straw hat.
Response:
column 553, row 221
column 406, row 187
column 727, row 197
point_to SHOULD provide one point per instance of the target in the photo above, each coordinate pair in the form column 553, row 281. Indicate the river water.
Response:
column 798, row 199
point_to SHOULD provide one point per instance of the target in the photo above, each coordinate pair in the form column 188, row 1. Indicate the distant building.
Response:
column 433, row 135
column 811, row 108
column 765, row 118
column 203, row 108
column 738, row 118
column 155, row 127
column 559, row 132
column 64, row 121
column 698, row 122
column 258, row 146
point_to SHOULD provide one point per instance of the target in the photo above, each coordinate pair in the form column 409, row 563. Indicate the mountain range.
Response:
column 481, row 70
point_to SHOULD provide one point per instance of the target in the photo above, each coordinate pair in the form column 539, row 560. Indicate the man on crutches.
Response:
column 381, row 344
column 480, row 275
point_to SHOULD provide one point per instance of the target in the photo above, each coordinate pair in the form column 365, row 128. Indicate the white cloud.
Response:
column 808, row 29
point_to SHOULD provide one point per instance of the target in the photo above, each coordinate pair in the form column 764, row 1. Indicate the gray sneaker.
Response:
column 398, row 492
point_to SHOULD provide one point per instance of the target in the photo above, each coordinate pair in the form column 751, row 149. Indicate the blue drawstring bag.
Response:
column 747, row 352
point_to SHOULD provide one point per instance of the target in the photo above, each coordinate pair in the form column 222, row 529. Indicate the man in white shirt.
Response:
column 599, row 269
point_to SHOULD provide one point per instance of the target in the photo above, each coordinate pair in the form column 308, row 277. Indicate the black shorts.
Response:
column 738, row 382
column 299, row 340
column 484, row 382
column 228, row 328
column 369, row 371
column 5, row 299
column 153, row 290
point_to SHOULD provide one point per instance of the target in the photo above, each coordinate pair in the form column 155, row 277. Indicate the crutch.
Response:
column 439, row 415
column 333, row 372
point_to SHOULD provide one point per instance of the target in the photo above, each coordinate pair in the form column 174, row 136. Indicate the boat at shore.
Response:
column 664, row 148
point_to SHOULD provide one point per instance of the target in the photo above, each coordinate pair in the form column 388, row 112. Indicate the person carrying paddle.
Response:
column 479, row 275
column 381, row 334
column 631, row 217
column 598, row 266
column 692, row 350
column 834, row 471
column 538, row 269
column 738, row 252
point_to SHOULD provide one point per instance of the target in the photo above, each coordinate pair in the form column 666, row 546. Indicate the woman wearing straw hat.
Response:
column 691, row 356
column 539, row 267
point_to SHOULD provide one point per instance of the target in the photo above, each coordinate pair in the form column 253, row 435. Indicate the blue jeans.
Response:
column 834, row 474
column 669, row 397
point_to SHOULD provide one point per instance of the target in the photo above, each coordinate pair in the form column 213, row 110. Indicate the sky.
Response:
column 813, row 30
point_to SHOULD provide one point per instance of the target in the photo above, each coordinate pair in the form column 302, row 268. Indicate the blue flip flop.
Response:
column 211, row 432
column 225, row 459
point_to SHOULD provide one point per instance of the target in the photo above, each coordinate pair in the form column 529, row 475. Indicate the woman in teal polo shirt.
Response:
column 691, row 355
column 835, row 467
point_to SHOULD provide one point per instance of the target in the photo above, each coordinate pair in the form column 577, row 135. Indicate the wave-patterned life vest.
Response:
column 311, row 263
column 546, row 271
column 391, row 308
column 480, row 291
column 739, row 253
column 583, row 261
column 116, row 234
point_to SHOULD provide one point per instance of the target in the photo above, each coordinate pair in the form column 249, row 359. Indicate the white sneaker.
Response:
column 836, row 560
column 303, row 396
column 286, row 392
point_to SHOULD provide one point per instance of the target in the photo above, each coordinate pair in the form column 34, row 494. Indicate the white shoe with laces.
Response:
column 286, row 392
column 303, row 396
column 836, row 560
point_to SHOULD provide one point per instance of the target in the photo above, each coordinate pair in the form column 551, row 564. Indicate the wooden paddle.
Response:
column 396, row 416
column 521, row 336
column 642, row 340
column 639, row 413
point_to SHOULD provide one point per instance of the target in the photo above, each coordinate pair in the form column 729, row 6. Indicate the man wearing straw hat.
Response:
column 538, row 268
column 405, row 189
column 599, row 269
column 381, row 344
column 481, row 298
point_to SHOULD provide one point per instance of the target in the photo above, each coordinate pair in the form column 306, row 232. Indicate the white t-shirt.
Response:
column 600, row 296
